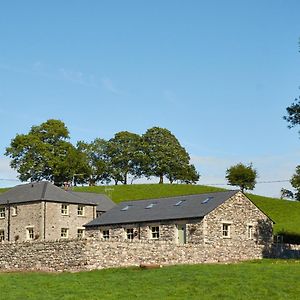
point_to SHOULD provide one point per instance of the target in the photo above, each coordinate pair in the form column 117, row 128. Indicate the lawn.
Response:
column 266, row 279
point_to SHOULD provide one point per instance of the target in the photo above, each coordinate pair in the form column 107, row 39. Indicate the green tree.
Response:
column 164, row 156
column 295, row 182
column 124, row 155
column 96, row 166
column 242, row 176
column 293, row 114
column 44, row 153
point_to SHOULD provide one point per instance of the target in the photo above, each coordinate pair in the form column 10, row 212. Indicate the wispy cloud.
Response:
column 78, row 77
column 109, row 85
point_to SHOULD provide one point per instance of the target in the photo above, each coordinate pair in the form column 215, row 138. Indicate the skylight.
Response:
column 179, row 203
column 207, row 199
column 150, row 205
column 125, row 208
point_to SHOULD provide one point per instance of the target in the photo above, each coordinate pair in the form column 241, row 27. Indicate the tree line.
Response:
column 46, row 153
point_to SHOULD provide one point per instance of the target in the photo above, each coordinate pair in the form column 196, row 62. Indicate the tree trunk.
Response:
column 161, row 179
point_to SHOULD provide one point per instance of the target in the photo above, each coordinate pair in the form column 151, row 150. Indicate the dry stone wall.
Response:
column 88, row 254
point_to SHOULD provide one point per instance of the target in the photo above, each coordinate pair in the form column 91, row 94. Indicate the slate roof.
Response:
column 102, row 201
column 46, row 191
column 172, row 208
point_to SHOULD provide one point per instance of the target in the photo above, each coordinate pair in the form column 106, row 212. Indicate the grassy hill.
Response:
column 285, row 213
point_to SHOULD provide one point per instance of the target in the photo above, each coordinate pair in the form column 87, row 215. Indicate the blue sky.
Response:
column 218, row 74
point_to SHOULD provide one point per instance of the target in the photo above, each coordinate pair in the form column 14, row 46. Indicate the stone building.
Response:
column 42, row 211
column 218, row 219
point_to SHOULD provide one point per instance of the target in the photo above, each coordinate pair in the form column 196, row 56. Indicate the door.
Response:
column 181, row 233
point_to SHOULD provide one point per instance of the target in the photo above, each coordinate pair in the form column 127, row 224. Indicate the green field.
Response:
column 266, row 279
column 285, row 213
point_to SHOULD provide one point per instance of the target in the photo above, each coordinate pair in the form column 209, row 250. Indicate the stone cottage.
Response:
column 43, row 211
column 218, row 219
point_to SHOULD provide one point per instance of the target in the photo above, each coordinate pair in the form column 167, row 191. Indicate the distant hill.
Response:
column 285, row 213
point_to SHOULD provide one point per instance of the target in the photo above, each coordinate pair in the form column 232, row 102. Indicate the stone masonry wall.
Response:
column 32, row 214
column 88, row 254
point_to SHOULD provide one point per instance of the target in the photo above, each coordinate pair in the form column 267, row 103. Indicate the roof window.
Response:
column 179, row 203
column 150, row 205
column 125, row 208
column 207, row 199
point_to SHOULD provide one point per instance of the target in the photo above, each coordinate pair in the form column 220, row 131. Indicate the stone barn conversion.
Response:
column 43, row 211
column 218, row 219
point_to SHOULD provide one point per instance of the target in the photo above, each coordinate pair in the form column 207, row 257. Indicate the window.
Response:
column 14, row 211
column 155, row 232
column 2, row 236
column 80, row 233
column 105, row 235
column 2, row 212
column 250, row 232
column 80, row 210
column 30, row 233
column 64, row 233
column 65, row 209
column 130, row 233
column 226, row 230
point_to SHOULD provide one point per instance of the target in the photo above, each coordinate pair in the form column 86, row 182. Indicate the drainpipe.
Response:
column 8, row 221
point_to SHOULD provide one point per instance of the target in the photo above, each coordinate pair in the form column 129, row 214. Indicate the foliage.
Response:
column 263, row 279
column 164, row 156
column 293, row 114
column 96, row 168
column 124, row 156
column 242, row 176
column 295, row 182
column 44, row 153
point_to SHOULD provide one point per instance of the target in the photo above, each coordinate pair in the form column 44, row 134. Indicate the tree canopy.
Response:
column 45, row 152
column 295, row 182
column 242, row 176
column 164, row 156
column 293, row 114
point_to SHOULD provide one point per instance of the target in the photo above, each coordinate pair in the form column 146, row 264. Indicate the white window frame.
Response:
column 2, row 212
column 14, row 211
column 2, row 235
column 130, row 233
column 64, row 233
column 80, row 210
column 105, row 234
column 155, row 232
column 250, row 231
column 30, row 233
column 80, row 235
column 65, row 209
column 226, row 230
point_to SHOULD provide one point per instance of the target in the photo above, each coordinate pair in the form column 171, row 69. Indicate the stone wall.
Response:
column 47, row 255
column 88, row 254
